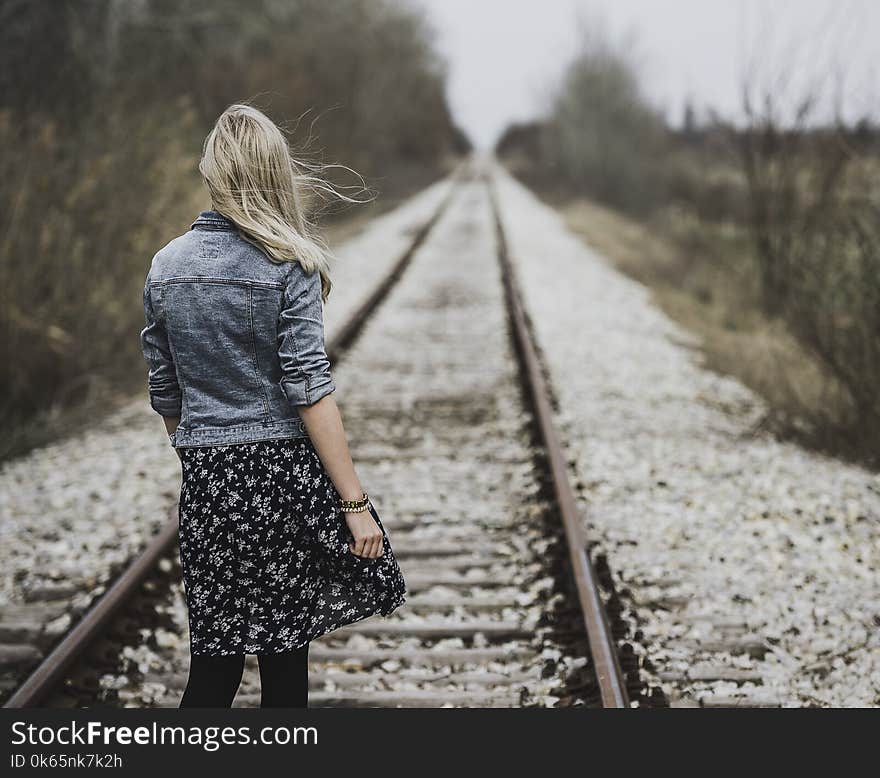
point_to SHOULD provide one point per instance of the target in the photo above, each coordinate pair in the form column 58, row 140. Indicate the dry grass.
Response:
column 78, row 238
column 700, row 281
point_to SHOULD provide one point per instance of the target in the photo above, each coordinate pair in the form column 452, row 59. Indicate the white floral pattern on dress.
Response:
column 264, row 550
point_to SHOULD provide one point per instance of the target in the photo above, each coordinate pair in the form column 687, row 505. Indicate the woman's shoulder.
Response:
column 167, row 254
column 300, row 281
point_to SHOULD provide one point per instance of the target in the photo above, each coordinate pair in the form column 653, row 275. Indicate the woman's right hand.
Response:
column 366, row 533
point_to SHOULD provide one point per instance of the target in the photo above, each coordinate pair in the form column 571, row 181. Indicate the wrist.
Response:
column 360, row 505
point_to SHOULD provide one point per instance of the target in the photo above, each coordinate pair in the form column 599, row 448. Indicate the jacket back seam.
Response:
column 219, row 281
column 256, row 360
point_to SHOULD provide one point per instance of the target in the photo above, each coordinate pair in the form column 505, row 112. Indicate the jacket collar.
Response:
column 211, row 220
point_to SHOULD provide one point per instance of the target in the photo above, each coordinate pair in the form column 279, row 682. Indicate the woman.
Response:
column 279, row 544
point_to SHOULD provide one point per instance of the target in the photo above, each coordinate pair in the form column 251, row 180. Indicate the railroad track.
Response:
column 665, row 453
column 450, row 421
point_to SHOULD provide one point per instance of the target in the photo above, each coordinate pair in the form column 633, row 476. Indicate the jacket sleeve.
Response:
column 305, row 369
column 165, row 395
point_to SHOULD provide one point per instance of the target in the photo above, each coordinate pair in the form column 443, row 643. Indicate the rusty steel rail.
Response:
column 612, row 684
column 51, row 670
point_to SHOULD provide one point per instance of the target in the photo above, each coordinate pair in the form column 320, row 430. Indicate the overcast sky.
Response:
column 506, row 55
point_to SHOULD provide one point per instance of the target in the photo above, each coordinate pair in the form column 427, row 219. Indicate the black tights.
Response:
column 214, row 680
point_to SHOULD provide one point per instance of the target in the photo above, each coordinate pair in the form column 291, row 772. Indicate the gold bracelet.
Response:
column 355, row 506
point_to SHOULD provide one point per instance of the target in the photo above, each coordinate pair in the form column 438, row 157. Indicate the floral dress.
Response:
column 264, row 550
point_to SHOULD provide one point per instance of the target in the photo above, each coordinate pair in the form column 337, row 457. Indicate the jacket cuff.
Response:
column 166, row 407
column 307, row 390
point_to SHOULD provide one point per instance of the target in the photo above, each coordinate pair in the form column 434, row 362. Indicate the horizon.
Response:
column 491, row 85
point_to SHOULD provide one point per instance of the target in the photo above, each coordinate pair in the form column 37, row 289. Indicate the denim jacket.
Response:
column 235, row 342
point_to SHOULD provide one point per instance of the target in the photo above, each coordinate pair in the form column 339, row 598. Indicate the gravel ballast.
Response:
column 741, row 556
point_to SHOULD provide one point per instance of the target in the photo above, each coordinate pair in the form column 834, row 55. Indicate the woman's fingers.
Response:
column 368, row 547
column 360, row 546
column 367, row 538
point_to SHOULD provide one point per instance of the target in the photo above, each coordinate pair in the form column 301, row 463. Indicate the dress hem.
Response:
column 315, row 634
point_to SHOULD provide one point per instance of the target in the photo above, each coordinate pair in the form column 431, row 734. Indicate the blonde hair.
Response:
column 254, row 180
